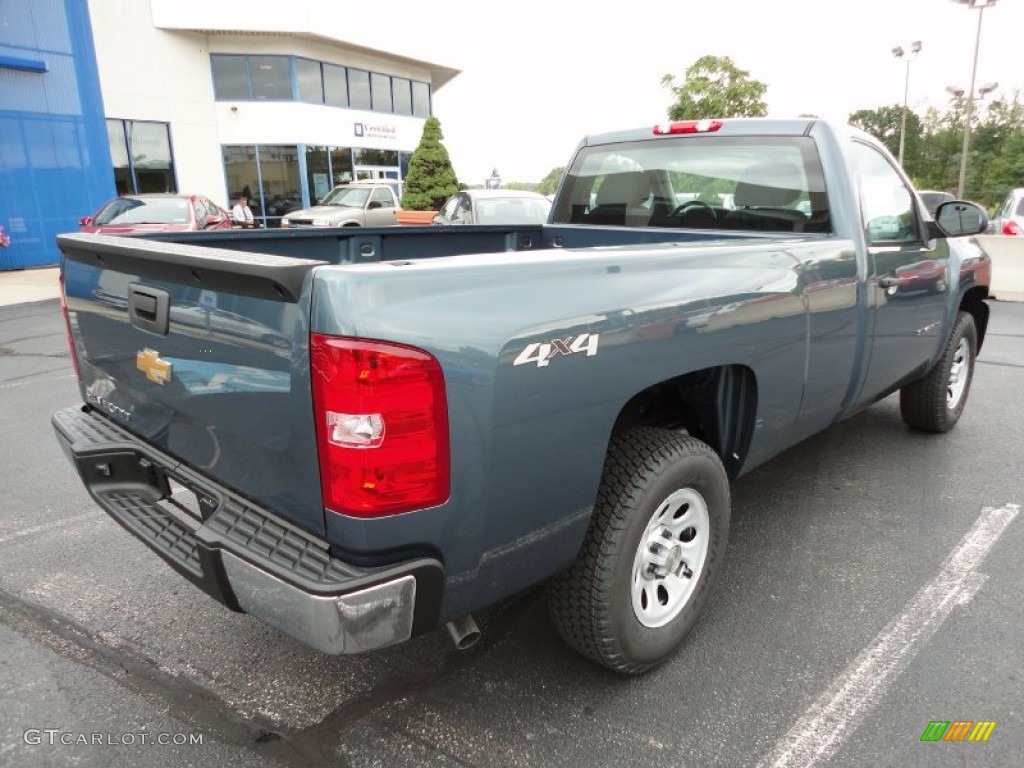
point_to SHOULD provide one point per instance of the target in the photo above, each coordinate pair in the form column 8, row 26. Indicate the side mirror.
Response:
column 214, row 221
column 957, row 218
column 374, row 205
column 439, row 219
column 85, row 221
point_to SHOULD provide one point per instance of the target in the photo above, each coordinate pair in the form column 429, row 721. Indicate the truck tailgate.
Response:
column 202, row 353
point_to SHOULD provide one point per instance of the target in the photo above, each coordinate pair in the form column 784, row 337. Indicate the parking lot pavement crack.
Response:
column 1000, row 364
column 184, row 698
column 33, row 375
column 8, row 352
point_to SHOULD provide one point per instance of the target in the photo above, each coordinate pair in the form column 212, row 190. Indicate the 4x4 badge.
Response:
column 542, row 353
column 158, row 371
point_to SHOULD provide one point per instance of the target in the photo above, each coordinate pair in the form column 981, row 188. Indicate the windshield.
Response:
column 764, row 184
column 349, row 197
column 133, row 210
column 512, row 210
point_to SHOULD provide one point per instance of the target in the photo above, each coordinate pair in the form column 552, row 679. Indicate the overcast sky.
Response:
column 539, row 75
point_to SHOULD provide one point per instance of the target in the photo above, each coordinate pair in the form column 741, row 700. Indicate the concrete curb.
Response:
column 1007, row 254
column 22, row 286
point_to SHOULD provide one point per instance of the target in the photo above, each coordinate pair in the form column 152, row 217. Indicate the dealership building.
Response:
column 278, row 103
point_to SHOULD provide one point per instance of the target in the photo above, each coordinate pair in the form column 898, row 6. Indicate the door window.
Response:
column 448, row 211
column 383, row 197
column 887, row 203
column 464, row 211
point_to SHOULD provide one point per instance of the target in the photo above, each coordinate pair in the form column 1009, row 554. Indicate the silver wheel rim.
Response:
column 670, row 558
column 959, row 372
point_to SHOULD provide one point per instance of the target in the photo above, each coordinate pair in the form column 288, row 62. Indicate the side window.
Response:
column 887, row 203
column 464, row 211
column 201, row 212
column 384, row 197
column 448, row 211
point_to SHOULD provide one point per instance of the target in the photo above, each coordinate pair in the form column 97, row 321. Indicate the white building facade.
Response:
column 275, row 102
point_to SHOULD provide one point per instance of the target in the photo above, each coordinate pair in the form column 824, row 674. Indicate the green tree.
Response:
column 715, row 87
column 431, row 178
column 549, row 183
column 883, row 123
column 934, row 144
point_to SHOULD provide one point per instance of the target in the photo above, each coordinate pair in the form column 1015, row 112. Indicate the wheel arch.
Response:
column 973, row 302
column 716, row 405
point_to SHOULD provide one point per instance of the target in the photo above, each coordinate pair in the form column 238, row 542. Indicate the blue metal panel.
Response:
column 54, row 155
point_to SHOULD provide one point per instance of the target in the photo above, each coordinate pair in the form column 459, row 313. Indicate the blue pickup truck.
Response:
column 362, row 435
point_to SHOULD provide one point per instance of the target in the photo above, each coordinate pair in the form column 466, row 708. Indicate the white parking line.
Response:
column 50, row 526
column 817, row 736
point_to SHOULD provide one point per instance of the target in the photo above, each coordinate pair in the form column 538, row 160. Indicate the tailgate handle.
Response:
column 149, row 308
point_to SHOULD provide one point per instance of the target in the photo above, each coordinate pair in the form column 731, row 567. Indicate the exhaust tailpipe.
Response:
column 464, row 632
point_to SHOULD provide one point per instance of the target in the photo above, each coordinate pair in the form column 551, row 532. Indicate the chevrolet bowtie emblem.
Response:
column 158, row 371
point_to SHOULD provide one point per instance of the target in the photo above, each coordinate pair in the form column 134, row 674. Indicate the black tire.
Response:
column 602, row 606
column 934, row 403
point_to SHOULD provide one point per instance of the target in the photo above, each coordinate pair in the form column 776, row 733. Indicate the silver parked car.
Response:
column 494, row 206
column 359, row 204
column 1009, row 219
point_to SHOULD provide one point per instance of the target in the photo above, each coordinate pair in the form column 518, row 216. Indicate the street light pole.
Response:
column 898, row 52
column 981, row 5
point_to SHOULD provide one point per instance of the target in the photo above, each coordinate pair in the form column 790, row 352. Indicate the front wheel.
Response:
column 653, row 553
column 934, row 403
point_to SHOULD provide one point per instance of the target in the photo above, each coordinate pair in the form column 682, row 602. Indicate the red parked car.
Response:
column 157, row 213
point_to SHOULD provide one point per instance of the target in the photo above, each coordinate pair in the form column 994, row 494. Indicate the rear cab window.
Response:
column 762, row 184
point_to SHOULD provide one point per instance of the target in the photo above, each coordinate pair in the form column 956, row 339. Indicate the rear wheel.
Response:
column 652, row 555
column 934, row 403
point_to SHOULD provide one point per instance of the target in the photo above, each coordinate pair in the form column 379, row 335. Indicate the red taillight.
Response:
column 382, row 426
column 688, row 126
column 67, row 325
column 1011, row 227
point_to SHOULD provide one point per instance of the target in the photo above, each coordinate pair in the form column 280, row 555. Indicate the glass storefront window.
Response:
column 242, row 176
column 359, row 89
column 151, row 157
column 335, row 86
column 141, row 155
column 341, row 165
column 269, row 174
column 279, row 175
column 380, row 92
column 271, row 77
column 318, row 173
column 376, row 157
column 119, row 154
column 309, row 81
column 402, row 95
column 420, row 99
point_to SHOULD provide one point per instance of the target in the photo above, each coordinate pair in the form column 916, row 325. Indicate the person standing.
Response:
column 242, row 214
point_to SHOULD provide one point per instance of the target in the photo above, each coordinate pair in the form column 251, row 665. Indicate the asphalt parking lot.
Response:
column 873, row 586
